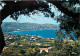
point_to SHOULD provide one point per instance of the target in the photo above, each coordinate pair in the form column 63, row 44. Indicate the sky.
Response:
column 39, row 19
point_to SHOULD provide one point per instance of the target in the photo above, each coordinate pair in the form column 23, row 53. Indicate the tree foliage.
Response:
column 70, row 21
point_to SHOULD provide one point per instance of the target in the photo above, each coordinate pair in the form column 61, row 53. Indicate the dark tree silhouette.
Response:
column 12, row 7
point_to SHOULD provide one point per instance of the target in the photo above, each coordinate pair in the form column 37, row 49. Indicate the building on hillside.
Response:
column 43, row 49
column 46, row 49
column 38, row 44
column 32, row 37
column 74, row 54
column 5, row 48
column 5, row 38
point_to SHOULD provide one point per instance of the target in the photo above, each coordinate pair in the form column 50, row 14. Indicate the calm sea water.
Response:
column 42, row 33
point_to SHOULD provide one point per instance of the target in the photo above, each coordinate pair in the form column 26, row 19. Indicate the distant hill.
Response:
column 13, row 26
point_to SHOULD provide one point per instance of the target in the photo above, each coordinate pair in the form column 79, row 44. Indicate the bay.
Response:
column 42, row 33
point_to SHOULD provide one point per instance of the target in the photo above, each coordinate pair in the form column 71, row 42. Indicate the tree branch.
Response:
column 64, row 10
column 12, row 7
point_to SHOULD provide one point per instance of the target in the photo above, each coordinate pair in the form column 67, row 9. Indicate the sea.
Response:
column 42, row 33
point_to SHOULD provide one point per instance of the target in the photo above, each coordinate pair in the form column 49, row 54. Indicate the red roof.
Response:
column 43, row 48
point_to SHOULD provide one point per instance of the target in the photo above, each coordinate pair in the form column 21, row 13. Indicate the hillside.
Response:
column 13, row 26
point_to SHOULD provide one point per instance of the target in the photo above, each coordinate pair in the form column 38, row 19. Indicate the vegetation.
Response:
column 69, row 22
column 25, row 45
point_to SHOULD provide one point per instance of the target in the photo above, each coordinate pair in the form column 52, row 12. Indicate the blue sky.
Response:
column 40, row 19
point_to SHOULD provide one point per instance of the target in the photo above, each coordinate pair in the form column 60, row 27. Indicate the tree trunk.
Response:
column 2, row 42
